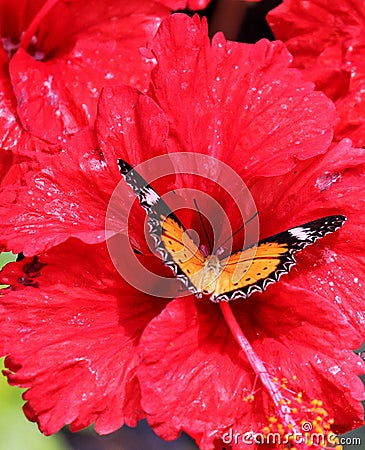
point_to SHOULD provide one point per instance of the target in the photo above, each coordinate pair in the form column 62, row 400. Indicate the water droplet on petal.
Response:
column 326, row 180
column 334, row 370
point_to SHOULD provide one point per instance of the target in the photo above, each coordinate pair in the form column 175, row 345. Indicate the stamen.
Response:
column 280, row 403
column 32, row 28
column 251, row 396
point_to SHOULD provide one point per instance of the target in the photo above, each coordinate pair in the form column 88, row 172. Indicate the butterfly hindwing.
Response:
column 176, row 247
column 253, row 269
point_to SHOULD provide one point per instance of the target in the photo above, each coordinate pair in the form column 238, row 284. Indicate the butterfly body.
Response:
column 206, row 282
column 239, row 275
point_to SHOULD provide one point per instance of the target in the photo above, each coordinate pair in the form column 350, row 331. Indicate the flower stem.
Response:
column 260, row 370
column 32, row 28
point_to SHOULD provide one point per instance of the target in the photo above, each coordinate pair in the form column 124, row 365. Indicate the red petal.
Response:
column 236, row 101
column 46, row 108
column 190, row 360
column 191, row 364
column 58, row 200
column 313, row 32
column 12, row 171
column 68, row 194
column 70, row 329
column 320, row 32
column 304, row 334
column 130, row 125
column 6, row 163
column 327, row 41
column 351, row 116
column 12, row 137
column 82, row 46
column 314, row 188
column 329, row 184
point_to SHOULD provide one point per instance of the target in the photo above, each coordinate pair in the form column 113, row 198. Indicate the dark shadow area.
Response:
column 139, row 438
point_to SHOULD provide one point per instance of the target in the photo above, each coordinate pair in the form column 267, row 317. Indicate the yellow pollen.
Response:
column 316, row 402
column 248, row 399
column 303, row 411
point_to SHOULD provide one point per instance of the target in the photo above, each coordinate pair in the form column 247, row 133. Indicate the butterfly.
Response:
column 236, row 276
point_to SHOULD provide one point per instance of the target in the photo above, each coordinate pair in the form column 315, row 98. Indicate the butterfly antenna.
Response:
column 239, row 229
column 204, row 228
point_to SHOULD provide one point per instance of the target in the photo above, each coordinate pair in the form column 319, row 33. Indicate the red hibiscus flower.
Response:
column 55, row 58
column 181, row 362
column 327, row 41
column 57, row 201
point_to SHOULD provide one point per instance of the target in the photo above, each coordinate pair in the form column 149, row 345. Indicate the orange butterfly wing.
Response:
column 181, row 254
column 249, row 270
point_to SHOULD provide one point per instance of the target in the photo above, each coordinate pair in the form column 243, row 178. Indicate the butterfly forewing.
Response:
column 177, row 249
column 183, row 252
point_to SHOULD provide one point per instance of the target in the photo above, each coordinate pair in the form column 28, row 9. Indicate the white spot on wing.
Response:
column 151, row 196
column 300, row 233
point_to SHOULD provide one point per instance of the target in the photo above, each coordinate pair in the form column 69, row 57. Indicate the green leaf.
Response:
column 15, row 430
column 5, row 258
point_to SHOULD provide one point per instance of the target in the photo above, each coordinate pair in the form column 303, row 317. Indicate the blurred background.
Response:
column 240, row 21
